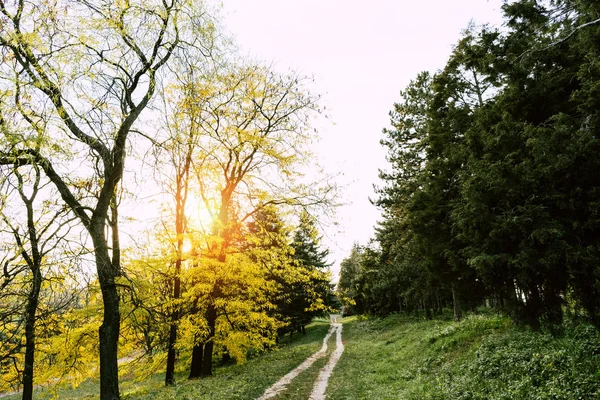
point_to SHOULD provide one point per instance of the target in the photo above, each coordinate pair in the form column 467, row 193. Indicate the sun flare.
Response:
column 187, row 246
column 200, row 218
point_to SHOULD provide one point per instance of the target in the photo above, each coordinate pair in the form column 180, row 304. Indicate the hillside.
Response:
column 481, row 357
column 400, row 357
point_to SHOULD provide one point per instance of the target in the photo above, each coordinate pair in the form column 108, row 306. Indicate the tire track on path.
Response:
column 318, row 392
column 281, row 384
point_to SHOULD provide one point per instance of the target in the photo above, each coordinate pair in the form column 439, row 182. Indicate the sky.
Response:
column 361, row 54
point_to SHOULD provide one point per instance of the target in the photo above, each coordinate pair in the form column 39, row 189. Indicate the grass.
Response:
column 302, row 385
column 247, row 381
column 239, row 382
column 481, row 357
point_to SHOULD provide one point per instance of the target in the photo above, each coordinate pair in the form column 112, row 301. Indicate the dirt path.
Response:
column 318, row 392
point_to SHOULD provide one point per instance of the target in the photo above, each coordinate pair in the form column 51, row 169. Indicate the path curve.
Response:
column 318, row 392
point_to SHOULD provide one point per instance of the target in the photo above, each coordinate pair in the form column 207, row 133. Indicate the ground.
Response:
column 482, row 357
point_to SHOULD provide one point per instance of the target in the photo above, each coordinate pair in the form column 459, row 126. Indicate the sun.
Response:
column 187, row 246
column 200, row 217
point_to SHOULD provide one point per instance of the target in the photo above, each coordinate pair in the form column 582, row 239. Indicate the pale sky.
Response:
column 361, row 53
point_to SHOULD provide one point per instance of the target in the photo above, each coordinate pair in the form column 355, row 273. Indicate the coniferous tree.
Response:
column 492, row 194
column 309, row 257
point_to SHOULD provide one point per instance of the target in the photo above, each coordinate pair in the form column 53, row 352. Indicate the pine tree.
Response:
column 312, row 261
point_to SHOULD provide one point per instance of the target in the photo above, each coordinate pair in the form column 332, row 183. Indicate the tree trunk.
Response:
column 109, row 337
column 109, row 330
column 533, row 308
column 225, row 358
column 426, row 305
column 211, row 319
column 456, row 303
column 32, row 304
column 196, row 367
column 207, row 359
column 511, row 300
column 170, row 372
column 34, row 262
column 181, row 194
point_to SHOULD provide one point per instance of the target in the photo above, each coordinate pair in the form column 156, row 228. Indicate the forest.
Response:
column 161, row 217
column 492, row 197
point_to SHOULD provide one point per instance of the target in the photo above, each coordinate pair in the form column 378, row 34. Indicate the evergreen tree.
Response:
column 493, row 191
column 306, row 245
column 350, row 274
column 312, row 261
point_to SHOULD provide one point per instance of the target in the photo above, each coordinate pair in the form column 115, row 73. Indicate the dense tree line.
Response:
column 493, row 192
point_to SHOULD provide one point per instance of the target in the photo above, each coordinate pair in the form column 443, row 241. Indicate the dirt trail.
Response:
column 318, row 392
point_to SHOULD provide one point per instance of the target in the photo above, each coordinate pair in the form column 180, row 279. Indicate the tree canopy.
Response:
column 491, row 194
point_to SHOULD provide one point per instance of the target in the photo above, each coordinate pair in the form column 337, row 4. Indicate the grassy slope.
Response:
column 481, row 357
column 241, row 382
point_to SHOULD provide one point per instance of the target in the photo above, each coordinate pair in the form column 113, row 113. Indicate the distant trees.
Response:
column 350, row 273
column 492, row 192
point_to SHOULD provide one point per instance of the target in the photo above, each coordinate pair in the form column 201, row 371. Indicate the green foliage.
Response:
column 524, row 365
column 309, row 298
column 492, row 192
column 306, row 244
column 350, row 271
column 480, row 357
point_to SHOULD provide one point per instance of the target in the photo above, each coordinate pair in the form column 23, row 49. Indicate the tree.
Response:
column 291, row 289
column 411, row 268
column 528, row 156
column 97, row 65
column 179, row 148
column 253, row 124
column 496, row 196
column 313, row 261
column 267, row 243
column 42, row 235
column 350, row 273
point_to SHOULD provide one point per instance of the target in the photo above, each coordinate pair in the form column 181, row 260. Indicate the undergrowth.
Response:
column 480, row 357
